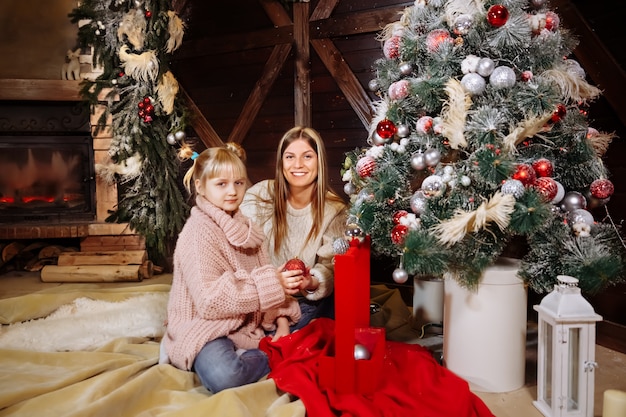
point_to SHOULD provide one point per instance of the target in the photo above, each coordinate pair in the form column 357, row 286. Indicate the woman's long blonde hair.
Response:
column 280, row 193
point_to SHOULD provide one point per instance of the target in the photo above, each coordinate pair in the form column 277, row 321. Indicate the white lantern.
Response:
column 566, row 352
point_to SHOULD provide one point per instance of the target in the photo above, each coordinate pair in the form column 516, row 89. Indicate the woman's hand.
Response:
column 290, row 280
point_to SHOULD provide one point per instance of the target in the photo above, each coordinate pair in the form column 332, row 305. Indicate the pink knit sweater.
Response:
column 223, row 285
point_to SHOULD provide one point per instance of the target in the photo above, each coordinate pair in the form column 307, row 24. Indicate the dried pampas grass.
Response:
column 133, row 28
column 143, row 67
column 572, row 86
column 129, row 168
column 454, row 114
column 527, row 128
column 176, row 29
column 166, row 91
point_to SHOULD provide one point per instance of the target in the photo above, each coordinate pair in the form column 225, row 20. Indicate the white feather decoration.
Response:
column 129, row 169
column 176, row 29
column 527, row 128
column 572, row 86
column 380, row 112
column 133, row 27
column 454, row 113
column 601, row 142
column 455, row 8
column 166, row 91
column 497, row 210
column 143, row 67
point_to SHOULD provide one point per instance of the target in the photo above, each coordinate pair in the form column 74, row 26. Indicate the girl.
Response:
column 225, row 293
column 302, row 216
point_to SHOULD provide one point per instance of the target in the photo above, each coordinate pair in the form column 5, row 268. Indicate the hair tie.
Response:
column 194, row 155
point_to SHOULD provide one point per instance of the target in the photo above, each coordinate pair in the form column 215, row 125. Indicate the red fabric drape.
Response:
column 412, row 382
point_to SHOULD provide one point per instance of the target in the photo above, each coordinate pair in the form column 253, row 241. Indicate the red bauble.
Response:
column 601, row 188
column 552, row 21
column 558, row 114
column 148, row 14
column 295, row 264
column 436, row 38
column 525, row 174
column 398, row 233
column 398, row 215
column 497, row 15
column 547, row 188
column 543, row 167
column 147, row 119
column 386, row 129
column 391, row 47
column 365, row 166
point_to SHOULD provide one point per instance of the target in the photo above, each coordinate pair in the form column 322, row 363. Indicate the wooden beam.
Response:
column 42, row 90
column 345, row 78
column 371, row 21
column 324, row 9
column 200, row 124
column 276, row 12
column 259, row 93
column 302, row 77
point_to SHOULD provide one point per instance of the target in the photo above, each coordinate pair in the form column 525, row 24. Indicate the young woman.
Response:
column 225, row 292
column 301, row 217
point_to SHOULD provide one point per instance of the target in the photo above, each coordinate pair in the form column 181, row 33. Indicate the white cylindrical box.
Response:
column 427, row 300
column 484, row 330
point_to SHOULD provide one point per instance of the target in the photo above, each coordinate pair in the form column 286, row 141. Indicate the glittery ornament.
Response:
column 502, row 77
column 354, row 231
column 559, row 194
column 418, row 203
column 386, row 129
column 462, row 24
column 374, row 85
column 485, row 67
column 573, row 200
column 171, row 139
column 391, row 47
column 559, row 113
column 433, row 186
column 398, row 233
column 497, row 15
column 424, row 124
column 473, row 83
column 546, row 187
column 365, row 166
column 405, row 68
column 400, row 275
column 349, row 188
column 418, row 162
column 340, row 246
column 543, row 167
column 432, row 157
column 398, row 215
column 361, row 352
column 436, row 38
column 601, row 188
column 537, row 4
column 525, row 173
column 398, row 90
column 580, row 216
column 403, row 131
column 552, row 21
column 513, row 187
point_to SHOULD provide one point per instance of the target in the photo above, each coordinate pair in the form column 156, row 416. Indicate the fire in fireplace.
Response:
column 46, row 178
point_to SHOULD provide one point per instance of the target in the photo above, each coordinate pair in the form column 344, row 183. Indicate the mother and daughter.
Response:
column 229, row 287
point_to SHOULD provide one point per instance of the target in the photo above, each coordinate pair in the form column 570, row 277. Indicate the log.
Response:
column 53, row 251
column 91, row 273
column 11, row 250
column 130, row 257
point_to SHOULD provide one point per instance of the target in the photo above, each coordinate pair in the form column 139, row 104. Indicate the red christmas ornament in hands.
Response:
column 296, row 264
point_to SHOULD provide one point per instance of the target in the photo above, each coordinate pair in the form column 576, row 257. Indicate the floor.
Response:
column 610, row 374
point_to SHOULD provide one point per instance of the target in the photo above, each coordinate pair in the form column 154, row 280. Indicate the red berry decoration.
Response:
column 547, row 188
column 386, row 129
column 543, row 167
column 398, row 215
column 497, row 15
column 558, row 114
column 525, row 174
column 148, row 14
column 601, row 188
column 365, row 166
column 398, row 233
column 295, row 264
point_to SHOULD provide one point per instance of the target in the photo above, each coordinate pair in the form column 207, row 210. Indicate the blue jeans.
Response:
column 219, row 366
column 314, row 309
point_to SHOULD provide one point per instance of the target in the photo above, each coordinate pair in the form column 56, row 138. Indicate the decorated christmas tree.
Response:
column 481, row 139
column 132, row 42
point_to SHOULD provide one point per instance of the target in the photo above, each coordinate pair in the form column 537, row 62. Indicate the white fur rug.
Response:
column 87, row 324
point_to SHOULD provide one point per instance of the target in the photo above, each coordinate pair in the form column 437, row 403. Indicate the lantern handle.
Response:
column 567, row 281
column 589, row 366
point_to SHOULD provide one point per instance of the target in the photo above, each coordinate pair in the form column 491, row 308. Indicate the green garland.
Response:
column 132, row 42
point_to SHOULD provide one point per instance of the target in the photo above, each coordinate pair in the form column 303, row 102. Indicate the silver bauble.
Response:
column 349, row 188
column 180, row 135
column 433, row 186
column 537, row 4
column 418, row 162
column 432, row 157
column 465, row 181
column 171, row 139
column 340, row 246
column 580, row 216
column 573, row 200
column 374, row 85
column 513, row 187
column 403, row 131
column 406, row 68
column 353, row 231
column 377, row 140
column 485, row 67
column 462, row 24
column 473, row 83
column 560, row 193
column 361, row 352
column 400, row 275
column 502, row 77
column 418, row 203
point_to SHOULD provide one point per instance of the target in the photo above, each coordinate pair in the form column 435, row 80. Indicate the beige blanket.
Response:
column 119, row 377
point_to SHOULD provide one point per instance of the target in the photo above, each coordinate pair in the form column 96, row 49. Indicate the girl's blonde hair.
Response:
column 321, row 192
column 213, row 162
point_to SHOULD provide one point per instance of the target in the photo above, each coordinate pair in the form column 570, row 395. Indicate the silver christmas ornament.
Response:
column 465, row 181
column 513, row 187
column 349, row 188
column 502, row 77
column 537, row 4
column 432, row 157
column 418, row 162
column 406, row 68
column 403, row 131
column 418, row 203
column 462, row 24
column 340, row 246
column 560, row 193
column 573, row 200
column 171, row 139
column 433, row 186
column 354, row 231
column 400, row 275
column 180, row 135
column 378, row 141
column 580, row 216
column 473, row 83
column 361, row 352
column 485, row 67
column 374, row 85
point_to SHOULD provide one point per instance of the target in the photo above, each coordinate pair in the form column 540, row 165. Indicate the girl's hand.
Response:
column 291, row 281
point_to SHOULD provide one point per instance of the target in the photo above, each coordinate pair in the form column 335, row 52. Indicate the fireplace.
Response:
column 46, row 178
